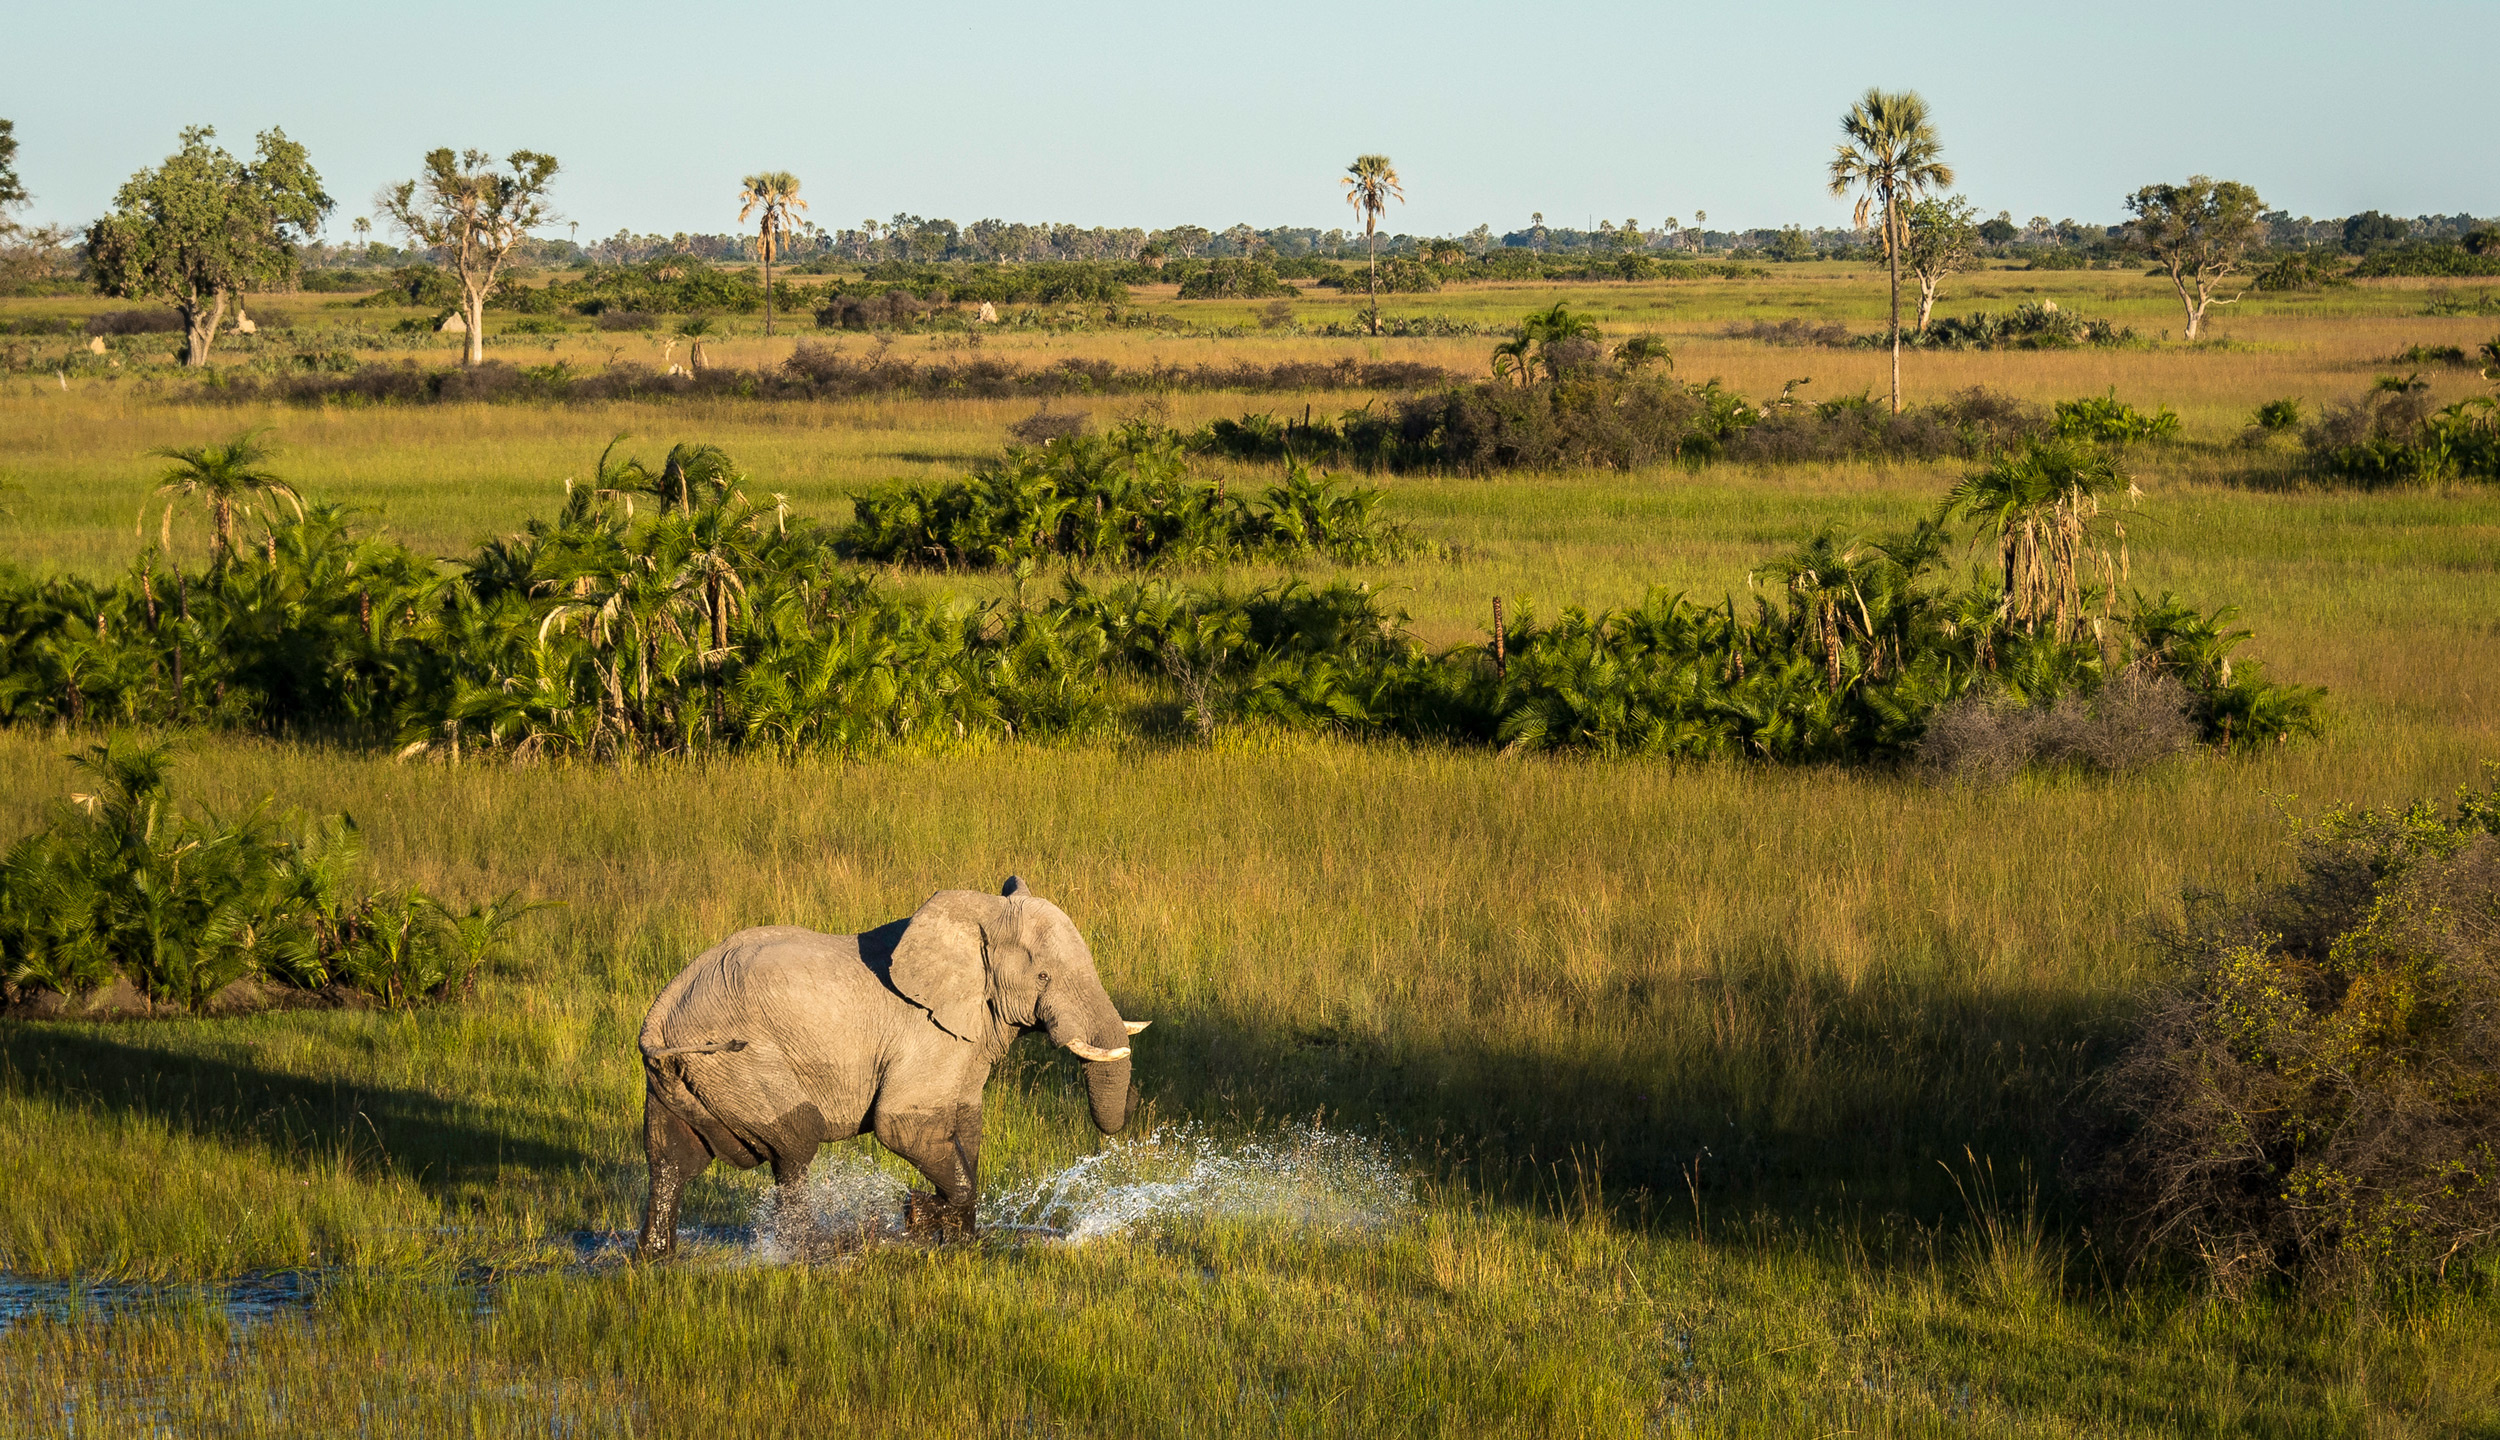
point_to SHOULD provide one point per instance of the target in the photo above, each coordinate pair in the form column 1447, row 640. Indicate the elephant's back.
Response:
column 755, row 978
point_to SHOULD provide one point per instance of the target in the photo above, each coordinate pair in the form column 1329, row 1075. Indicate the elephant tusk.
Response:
column 1084, row 1051
column 1136, row 1025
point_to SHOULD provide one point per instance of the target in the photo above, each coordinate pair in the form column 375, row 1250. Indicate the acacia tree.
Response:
column 1889, row 150
column 1942, row 241
column 776, row 193
column 2199, row 233
column 1371, row 182
column 464, row 205
column 204, row 227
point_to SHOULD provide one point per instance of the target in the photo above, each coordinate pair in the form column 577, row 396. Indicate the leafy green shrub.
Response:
column 124, row 883
column 2108, row 420
column 2319, row 1090
column 1235, row 279
column 1122, row 499
column 2300, row 270
column 2430, row 355
column 2277, row 415
column 2032, row 325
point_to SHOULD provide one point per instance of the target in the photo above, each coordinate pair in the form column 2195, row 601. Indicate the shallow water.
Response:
column 245, row 1300
column 1304, row 1178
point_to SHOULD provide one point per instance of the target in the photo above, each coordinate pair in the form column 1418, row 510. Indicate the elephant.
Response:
column 779, row 1040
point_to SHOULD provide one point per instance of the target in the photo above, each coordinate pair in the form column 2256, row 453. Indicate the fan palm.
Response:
column 1890, row 152
column 776, row 194
column 225, row 477
column 1371, row 182
column 2044, row 504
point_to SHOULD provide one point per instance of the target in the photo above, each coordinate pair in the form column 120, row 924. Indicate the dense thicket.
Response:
column 2319, row 1091
column 660, row 611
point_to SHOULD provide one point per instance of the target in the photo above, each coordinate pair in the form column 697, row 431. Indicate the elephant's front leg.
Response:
column 944, row 1145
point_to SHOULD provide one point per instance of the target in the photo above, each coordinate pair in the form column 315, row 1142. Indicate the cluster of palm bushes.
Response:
column 2390, row 435
column 1127, row 498
column 123, row 883
column 662, row 611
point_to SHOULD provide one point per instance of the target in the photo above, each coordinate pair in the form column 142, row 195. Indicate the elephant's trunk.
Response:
column 1106, row 1085
column 1079, row 1015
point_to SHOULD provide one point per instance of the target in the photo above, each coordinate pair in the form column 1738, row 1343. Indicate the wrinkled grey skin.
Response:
column 778, row 1040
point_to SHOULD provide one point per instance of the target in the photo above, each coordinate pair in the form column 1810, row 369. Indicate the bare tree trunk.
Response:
column 768, row 282
column 200, row 329
column 1927, row 299
column 2193, row 304
column 473, row 311
column 1892, row 265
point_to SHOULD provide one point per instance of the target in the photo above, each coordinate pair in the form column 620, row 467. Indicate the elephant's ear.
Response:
column 941, row 963
column 1014, row 887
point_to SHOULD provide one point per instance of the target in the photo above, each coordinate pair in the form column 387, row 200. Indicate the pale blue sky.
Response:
column 1161, row 114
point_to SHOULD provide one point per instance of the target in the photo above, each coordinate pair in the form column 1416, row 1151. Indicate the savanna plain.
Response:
column 1722, row 1098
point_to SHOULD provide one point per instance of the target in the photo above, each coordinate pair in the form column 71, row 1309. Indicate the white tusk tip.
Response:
column 1136, row 1025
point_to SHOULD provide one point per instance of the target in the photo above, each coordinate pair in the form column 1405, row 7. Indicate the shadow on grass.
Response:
column 437, row 1142
column 1765, row 1102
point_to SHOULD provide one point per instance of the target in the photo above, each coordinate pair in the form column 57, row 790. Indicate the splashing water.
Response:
column 847, row 1196
column 1307, row 1177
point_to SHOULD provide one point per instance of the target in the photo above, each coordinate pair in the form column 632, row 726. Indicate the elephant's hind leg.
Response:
column 793, row 1218
column 677, row 1155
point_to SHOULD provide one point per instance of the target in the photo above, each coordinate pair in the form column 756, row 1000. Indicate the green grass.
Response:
column 1691, row 1062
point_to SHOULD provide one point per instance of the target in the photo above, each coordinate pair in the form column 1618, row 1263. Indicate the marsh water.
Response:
column 1302, row 1177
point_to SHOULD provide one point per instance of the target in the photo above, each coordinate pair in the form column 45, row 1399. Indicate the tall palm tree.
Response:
column 776, row 193
column 1889, row 150
column 1371, row 182
column 225, row 476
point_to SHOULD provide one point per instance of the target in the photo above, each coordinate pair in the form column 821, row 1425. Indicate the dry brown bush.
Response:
column 2131, row 722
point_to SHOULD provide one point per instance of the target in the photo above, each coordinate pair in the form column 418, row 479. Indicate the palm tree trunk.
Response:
column 1371, row 287
column 225, row 529
column 1892, row 258
column 768, row 279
